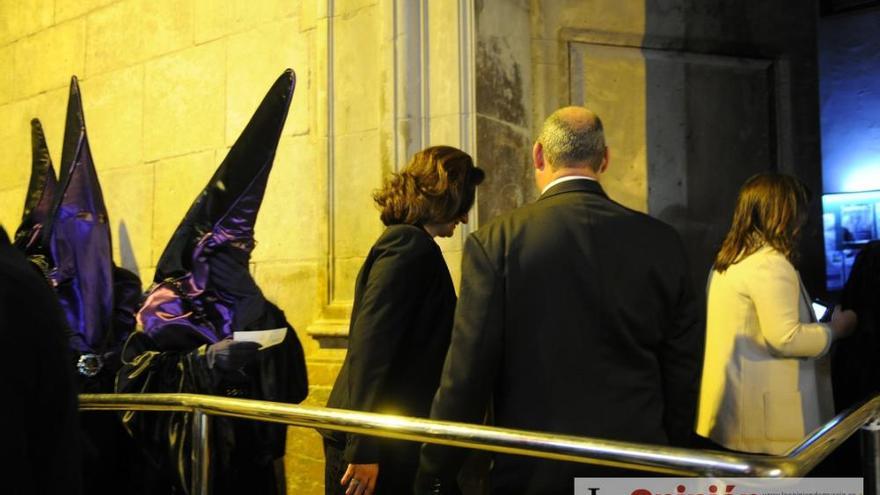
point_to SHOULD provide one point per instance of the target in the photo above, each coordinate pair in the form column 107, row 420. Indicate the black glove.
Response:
column 229, row 273
column 231, row 355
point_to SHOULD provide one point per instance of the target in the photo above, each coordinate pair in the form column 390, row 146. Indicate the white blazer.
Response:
column 766, row 383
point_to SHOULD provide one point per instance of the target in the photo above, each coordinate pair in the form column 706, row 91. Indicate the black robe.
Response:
column 244, row 452
column 112, row 462
column 855, row 368
column 40, row 450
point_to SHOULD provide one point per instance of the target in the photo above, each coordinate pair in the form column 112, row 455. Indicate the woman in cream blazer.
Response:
column 766, row 378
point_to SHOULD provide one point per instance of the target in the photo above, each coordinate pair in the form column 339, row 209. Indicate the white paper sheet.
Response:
column 266, row 338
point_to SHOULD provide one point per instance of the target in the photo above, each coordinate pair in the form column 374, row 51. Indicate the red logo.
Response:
column 680, row 490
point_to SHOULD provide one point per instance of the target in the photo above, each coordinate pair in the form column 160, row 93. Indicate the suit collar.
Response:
column 581, row 185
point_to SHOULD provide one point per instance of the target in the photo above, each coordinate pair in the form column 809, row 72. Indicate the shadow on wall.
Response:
column 126, row 250
column 712, row 83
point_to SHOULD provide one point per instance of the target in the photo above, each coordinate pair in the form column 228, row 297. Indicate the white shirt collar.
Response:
column 566, row 179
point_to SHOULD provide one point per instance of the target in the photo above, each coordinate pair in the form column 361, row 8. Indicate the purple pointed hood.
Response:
column 182, row 310
column 79, row 238
column 40, row 195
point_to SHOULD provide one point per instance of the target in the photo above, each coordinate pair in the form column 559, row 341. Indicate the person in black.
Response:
column 65, row 234
column 855, row 373
column 194, row 321
column 247, row 456
column 41, row 442
column 401, row 320
column 576, row 317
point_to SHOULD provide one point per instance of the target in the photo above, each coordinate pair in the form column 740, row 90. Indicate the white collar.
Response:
column 566, row 179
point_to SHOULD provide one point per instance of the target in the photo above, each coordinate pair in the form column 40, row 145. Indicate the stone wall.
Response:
column 169, row 84
column 695, row 96
column 504, row 104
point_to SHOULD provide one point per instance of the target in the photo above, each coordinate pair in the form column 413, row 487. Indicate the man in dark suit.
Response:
column 576, row 316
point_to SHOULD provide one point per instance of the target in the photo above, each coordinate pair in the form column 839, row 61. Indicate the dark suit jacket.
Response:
column 855, row 372
column 576, row 316
column 400, row 328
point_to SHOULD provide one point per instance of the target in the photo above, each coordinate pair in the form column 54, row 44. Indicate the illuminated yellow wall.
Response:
column 168, row 85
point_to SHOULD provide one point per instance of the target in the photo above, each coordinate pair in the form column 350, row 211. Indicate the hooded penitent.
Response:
column 201, row 292
column 78, row 237
column 39, row 199
column 184, row 309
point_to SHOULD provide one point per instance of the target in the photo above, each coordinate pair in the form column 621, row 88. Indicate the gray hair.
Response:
column 572, row 142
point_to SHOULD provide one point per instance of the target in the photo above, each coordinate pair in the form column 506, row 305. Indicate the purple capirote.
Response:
column 79, row 238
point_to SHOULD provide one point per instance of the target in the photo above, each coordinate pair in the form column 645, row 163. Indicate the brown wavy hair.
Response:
column 769, row 211
column 437, row 186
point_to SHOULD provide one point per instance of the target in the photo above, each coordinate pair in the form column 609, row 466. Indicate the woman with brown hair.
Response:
column 766, row 382
column 401, row 320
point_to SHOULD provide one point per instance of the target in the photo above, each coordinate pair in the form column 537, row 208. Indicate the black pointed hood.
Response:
column 227, row 207
column 40, row 194
column 185, row 307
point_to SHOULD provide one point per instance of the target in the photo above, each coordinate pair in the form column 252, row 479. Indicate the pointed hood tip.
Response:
column 74, row 90
column 229, row 203
column 257, row 145
column 39, row 148
column 287, row 79
column 78, row 181
column 41, row 192
column 74, row 128
column 37, row 127
column 75, row 95
column 285, row 84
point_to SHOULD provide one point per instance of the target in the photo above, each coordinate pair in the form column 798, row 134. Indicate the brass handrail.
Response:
column 656, row 458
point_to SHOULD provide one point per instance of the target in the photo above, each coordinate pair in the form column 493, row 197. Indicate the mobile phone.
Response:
column 822, row 310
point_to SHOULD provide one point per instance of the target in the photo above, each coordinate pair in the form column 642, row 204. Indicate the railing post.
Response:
column 201, row 453
column 871, row 456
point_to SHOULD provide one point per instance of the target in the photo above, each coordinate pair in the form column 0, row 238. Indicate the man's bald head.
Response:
column 573, row 137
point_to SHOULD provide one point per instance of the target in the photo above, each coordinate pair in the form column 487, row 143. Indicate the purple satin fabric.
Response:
column 184, row 313
column 83, row 276
column 237, row 227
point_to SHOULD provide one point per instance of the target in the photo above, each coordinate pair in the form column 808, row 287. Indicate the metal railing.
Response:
column 654, row 458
